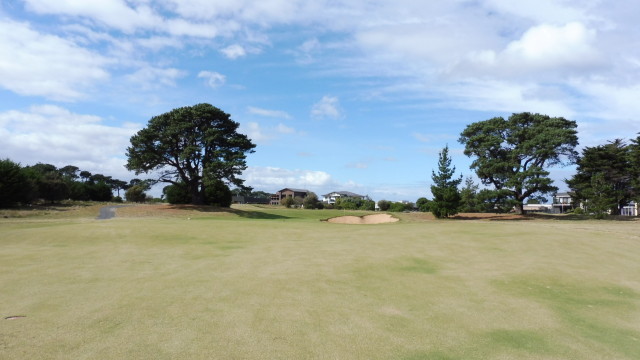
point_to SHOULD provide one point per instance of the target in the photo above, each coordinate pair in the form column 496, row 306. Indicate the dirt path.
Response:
column 109, row 212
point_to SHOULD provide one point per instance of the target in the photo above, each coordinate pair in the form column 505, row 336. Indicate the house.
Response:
column 630, row 210
column 288, row 192
column 332, row 197
column 562, row 202
column 544, row 208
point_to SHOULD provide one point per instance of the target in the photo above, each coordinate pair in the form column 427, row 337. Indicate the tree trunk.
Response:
column 197, row 196
column 518, row 208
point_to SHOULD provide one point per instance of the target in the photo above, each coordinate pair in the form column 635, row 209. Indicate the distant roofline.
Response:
column 294, row 190
column 346, row 193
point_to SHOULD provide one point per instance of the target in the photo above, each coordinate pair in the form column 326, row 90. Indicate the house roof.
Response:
column 344, row 193
column 562, row 194
column 295, row 190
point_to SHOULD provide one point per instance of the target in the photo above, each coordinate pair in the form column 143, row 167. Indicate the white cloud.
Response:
column 305, row 52
column 182, row 27
column 151, row 77
column 52, row 134
column 554, row 46
column 543, row 53
column 234, row 51
column 273, row 178
column 32, row 63
column 283, row 129
column 260, row 134
column 327, row 107
column 358, row 165
column 540, row 10
column 214, row 79
column 268, row 113
column 255, row 132
column 112, row 13
column 611, row 101
column 422, row 137
column 157, row 43
column 493, row 95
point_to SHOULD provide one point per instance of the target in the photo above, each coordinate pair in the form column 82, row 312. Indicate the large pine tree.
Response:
column 604, row 178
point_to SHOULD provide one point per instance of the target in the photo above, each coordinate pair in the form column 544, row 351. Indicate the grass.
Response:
column 263, row 282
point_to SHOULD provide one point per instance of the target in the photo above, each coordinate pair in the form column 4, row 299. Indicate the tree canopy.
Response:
column 513, row 154
column 195, row 146
column 604, row 178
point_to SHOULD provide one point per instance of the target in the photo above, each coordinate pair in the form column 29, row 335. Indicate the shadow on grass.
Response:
column 575, row 217
column 248, row 214
column 48, row 206
column 537, row 216
column 492, row 217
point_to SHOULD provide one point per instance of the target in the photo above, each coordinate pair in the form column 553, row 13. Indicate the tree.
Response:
column 287, row 202
column 384, row 205
column 85, row 175
column 176, row 194
column 424, row 204
column 494, row 201
column 135, row 194
column 50, row 184
column 634, row 163
column 601, row 196
column 217, row 193
column 14, row 184
column 611, row 164
column 69, row 172
column 400, row 207
column 469, row 196
column 351, row 203
column 99, row 191
column 311, row 201
column 193, row 145
column 118, row 185
column 446, row 197
column 512, row 154
column 144, row 184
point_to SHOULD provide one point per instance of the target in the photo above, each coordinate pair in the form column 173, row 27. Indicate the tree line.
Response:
column 28, row 184
column 512, row 156
column 197, row 151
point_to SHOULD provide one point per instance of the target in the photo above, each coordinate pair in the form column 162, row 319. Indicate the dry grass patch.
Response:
column 168, row 210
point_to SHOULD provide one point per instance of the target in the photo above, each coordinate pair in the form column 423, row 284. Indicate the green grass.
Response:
column 263, row 283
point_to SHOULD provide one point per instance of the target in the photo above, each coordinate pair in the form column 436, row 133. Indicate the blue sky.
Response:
column 338, row 95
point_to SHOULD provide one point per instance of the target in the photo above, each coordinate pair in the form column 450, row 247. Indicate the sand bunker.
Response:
column 364, row 220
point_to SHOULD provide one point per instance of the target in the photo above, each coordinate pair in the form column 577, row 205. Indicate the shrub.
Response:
column 399, row 207
column 14, row 184
column 311, row 201
column 217, row 193
column 423, row 204
column 384, row 205
column 176, row 194
column 287, row 202
column 135, row 194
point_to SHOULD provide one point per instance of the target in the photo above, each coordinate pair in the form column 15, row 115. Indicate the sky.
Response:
column 355, row 95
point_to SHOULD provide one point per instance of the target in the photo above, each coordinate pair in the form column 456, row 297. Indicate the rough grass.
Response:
column 262, row 283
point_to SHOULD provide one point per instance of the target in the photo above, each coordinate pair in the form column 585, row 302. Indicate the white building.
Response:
column 562, row 202
column 332, row 197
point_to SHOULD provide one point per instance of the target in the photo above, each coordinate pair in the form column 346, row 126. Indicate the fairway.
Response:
column 267, row 283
